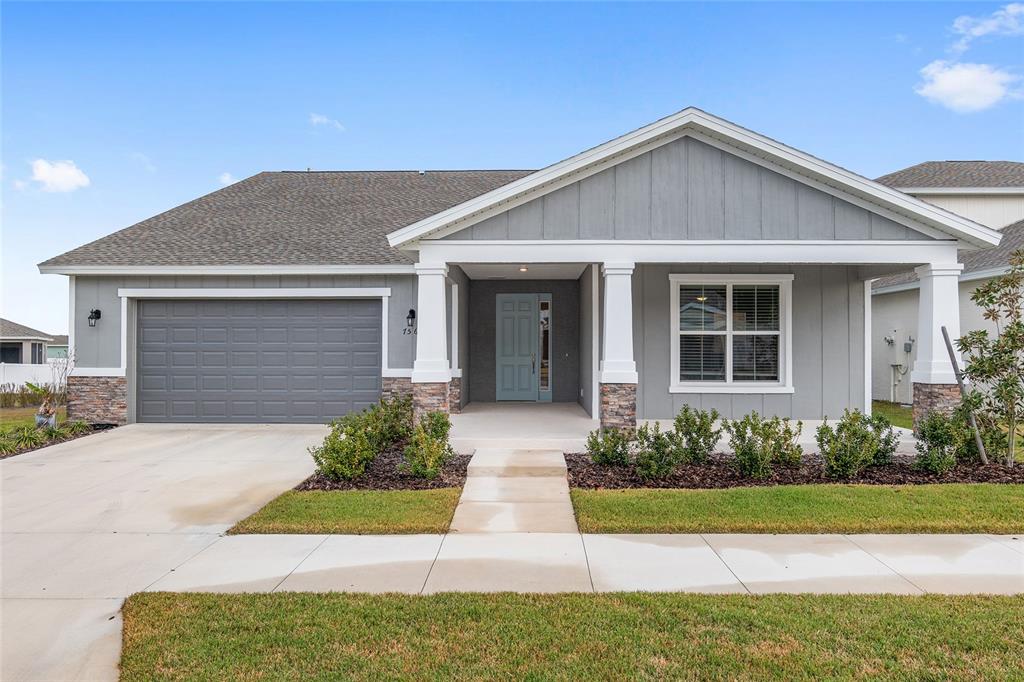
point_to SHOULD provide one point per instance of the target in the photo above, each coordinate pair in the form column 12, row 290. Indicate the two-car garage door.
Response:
column 255, row 360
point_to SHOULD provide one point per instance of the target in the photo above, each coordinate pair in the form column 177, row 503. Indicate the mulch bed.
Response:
column 720, row 473
column 25, row 451
column 384, row 474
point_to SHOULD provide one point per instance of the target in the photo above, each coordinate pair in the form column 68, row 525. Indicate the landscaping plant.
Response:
column 850, row 447
column 609, row 447
column 996, row 365
column 759, row 443
column 25, row 437
column 428, row 449
column 389, row 422
column 656, row 454
column 940, row 440
column 695, row 435
column 345, row 452
column 888, row 440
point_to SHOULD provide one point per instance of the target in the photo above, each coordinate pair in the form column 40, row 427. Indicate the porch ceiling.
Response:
column 515, row 270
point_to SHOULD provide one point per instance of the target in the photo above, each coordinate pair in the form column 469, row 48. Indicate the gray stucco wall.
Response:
column 828, row 350
column 586, row 346
column 100, row 346
column 565, row 300
column 895, row 314
column 687, row 190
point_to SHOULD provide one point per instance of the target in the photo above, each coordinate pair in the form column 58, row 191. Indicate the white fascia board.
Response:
column 214, row 270
column 961, row 190
column 877, row 252
column 691, row 121
column 98, row 372
column 965, row 277
column 45, row 339
column 305, row 292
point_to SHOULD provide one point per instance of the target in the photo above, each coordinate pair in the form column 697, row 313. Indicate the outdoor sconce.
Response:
column 94, row 315
column 410, row 319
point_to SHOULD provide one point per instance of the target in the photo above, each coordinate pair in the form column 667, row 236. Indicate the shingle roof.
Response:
column 13, row 330
column 958, row 174
column 974, row 261
column 59, row 340
column 291, row 218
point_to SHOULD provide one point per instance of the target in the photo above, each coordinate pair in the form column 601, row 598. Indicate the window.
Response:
column 37, row 353
column 730, row 333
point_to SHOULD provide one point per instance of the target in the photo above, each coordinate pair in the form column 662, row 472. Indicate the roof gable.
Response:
column 13, row 330
column 692, row 122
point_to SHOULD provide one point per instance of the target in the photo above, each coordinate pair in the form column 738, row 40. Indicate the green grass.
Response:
column 898, row 415
column 11, row 417
column 355, row 511
column 946, row 508
column 295, row 636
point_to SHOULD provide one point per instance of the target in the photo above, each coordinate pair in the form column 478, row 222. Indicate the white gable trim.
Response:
column 692, row 121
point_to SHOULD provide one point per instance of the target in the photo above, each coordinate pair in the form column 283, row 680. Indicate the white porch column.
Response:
column 618, row 375
column 935, row 387
column 431, row 364
column 431, row 371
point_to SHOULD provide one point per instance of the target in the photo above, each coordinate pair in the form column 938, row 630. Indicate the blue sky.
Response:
column 154, row 104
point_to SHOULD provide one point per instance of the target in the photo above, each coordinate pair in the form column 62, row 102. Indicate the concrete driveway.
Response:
column 86, row 523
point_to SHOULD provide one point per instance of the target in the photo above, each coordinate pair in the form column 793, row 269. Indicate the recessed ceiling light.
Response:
column 523, row 268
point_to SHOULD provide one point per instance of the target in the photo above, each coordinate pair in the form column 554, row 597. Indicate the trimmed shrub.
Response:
column 888, row 440
column 609, row 447
column 428, row 449
column 345, row 452
column 759, row 444
column 388, row 423
column 940, row 441
column 657, row 456
column 694, row 434
column 850, row 447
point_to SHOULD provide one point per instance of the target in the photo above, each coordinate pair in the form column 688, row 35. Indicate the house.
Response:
column 22, row 345
column 691, row 261
column 58, row 348
column 989, row 192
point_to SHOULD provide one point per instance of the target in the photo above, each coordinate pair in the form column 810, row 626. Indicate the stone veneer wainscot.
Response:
column 98, row 400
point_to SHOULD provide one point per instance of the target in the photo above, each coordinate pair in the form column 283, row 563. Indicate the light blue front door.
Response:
column 516, row 346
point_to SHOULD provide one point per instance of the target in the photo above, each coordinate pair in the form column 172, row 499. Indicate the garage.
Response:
column 256, row 360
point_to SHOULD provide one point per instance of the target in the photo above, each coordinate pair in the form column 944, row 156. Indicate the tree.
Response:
column 996, row 364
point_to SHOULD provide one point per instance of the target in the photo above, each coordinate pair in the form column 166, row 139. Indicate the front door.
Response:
column 516, row 345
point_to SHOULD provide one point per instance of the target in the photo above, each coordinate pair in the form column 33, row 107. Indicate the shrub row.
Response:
column 356, row 439
column 28, row 437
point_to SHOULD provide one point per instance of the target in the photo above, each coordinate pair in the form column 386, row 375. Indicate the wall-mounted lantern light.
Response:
column 410, row 319
column 94, row 315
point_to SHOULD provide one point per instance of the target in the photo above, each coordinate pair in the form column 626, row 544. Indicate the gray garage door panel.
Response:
column 256, row 360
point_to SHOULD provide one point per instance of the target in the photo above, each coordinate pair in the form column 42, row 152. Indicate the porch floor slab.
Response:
column 552, row 426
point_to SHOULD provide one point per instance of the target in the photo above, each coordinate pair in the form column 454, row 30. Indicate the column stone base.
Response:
column 455, row 395
column 618, row 406
column 395, row 387
column 432, row 397
column 98, row 400
column 942, row 398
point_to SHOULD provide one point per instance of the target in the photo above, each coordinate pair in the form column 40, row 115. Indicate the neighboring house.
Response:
column 989, row 192
column 22, row 345
column 58, row 348
column 691, row 261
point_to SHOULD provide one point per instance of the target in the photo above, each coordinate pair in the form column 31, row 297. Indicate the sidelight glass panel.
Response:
column 702, row 308
column 545, row 345
column 702, row 357
column 755, row 357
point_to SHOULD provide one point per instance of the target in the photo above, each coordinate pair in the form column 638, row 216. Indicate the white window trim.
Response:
column 785, row 385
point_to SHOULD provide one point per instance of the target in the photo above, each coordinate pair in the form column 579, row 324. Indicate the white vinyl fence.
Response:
column 20, row 374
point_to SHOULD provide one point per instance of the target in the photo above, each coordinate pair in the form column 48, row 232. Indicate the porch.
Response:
column 527, row 426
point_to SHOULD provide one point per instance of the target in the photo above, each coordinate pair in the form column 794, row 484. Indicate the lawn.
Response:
column 11, row 417
column 355, row 511
column 178, row 636
column 945, row 508
column 898, row 415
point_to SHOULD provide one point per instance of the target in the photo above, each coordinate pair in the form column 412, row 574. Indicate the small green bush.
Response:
column 55, row 433
column 77, row 427
column 428, row 449
column 695, row 435
column 7, row 445
column 345, row 452
column 388, row 423
column 656, row 454
column 759, row 444
column 888, row 439
column 941, row 439
column 850, row 447
column 25, row 437
column 609, row 447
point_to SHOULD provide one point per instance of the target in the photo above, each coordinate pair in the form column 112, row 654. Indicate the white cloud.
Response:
column 58, row 176
column 321, row 120
column 226, row 179
column 1006, row 21
column 965, row 88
